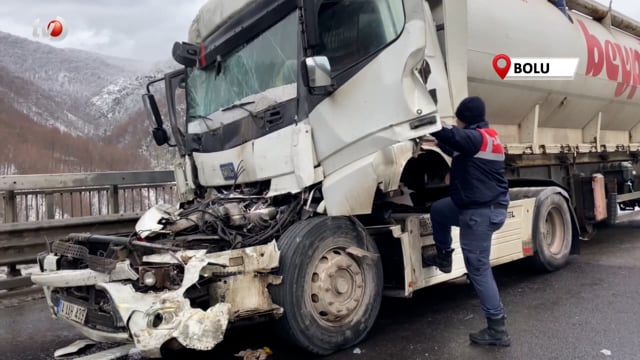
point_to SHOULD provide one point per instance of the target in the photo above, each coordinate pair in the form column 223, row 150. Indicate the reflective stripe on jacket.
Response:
column 491, row 148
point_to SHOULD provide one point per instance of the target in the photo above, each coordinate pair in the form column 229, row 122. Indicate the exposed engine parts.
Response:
column 161, row 277
column 231, row 222
column 227, row 222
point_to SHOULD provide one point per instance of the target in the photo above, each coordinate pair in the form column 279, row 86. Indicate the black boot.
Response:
column 441, row 259
column 494, row 334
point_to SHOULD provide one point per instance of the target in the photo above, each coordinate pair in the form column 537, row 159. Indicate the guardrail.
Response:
column 40, row 208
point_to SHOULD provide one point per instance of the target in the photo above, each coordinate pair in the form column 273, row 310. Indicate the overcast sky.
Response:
column 630, row 8
column 137, row 29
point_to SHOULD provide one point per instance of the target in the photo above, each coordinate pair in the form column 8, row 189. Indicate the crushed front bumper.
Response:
column 150, row 319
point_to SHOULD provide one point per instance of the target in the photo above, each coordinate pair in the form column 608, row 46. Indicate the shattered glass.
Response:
column 267, row 62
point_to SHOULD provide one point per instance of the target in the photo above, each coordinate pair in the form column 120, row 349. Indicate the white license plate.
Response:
column 71, row 311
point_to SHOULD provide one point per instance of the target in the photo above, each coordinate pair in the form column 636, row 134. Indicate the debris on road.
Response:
column 260, row 354
column 85, row 344
column 109, row 354
column 357, row 351
column 606, row 352
column 73, row 348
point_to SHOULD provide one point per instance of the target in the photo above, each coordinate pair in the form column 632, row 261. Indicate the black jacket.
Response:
column 477, row 171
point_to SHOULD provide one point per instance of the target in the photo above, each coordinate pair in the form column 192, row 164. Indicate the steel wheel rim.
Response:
column 335, row 287
column 553, row 235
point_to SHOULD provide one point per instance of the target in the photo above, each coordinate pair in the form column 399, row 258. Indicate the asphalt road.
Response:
column 589, row 308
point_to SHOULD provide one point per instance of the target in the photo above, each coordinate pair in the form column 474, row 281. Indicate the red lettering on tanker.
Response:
column 620, row 63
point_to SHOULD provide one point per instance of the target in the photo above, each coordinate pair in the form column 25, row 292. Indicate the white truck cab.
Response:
column 306, row 175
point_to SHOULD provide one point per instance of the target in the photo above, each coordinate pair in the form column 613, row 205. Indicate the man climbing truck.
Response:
column 477, row 206
column 306, row 126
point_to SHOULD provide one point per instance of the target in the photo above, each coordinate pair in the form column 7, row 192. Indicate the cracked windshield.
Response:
column 267, row 62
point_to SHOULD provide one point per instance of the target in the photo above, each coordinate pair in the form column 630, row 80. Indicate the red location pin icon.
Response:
column 502, row 71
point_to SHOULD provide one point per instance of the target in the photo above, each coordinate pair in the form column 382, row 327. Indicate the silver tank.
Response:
column 606, row 82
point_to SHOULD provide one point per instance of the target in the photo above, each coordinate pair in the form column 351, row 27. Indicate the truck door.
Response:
column 376, row 53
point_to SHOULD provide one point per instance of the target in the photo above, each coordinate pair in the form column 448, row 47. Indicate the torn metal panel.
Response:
column 163, row 218
column 203, row 330
column 154, row 318
column 263, row 258
column 173, row 258
column 350, row 190
column 149, row 223
column 73, row 348
column 85, row 277
column 101, row 336
column 247, row 294
column 193, row 328
column 127, row 300
column 243, row 287
column 111, row 354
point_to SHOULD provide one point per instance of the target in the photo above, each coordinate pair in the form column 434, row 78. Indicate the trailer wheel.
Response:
column 331, row 285
column 552, row 233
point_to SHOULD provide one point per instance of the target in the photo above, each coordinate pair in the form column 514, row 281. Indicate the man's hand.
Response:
column 446, row 124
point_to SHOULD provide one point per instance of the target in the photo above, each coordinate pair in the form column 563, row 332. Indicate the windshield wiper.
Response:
column 240, row 106
column 202, row 117
column 230, row 107
column 199, row 117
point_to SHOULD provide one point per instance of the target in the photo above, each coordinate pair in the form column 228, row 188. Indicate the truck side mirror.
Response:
column 159, row 133
column 160, row 136
column 153, row 112
column 185, row 54
column 317, row 73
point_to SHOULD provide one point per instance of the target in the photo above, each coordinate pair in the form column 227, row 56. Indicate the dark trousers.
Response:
column 476, row 229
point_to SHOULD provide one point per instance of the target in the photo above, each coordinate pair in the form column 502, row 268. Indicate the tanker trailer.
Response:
column 304, row 180
column 584, row 134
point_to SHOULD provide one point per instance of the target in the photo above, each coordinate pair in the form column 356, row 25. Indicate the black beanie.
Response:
column 471, row 110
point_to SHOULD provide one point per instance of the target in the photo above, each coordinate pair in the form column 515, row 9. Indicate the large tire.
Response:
column 330, row 297
column 551, row 233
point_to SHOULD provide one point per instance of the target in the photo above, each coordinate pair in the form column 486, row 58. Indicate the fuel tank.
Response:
column 601, row 105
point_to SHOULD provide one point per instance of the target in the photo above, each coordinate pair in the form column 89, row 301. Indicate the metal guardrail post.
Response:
column 10, row 216
column 12, row 271
column 113, row 196
column 10, row 211
column 48, row 200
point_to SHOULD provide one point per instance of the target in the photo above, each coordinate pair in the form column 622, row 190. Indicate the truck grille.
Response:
column 95, row 263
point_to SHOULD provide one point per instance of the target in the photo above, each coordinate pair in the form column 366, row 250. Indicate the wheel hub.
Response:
column 336, row 287
column 342, row 285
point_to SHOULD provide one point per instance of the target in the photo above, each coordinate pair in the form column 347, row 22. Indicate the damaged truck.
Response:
column 306, row 173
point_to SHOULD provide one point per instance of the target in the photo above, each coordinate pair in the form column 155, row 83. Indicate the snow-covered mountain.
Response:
column 121, row 98
column 83, row 94
column 92, row 93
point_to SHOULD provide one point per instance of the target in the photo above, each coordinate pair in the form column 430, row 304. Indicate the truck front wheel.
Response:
column 331, row 286
column 551, row 233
